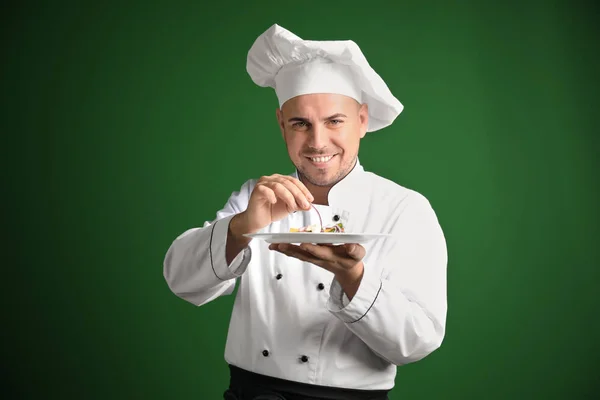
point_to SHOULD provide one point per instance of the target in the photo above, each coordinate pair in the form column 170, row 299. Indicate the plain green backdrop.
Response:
column 126, row 123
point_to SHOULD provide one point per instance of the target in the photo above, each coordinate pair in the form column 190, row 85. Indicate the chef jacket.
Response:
column 292, row 320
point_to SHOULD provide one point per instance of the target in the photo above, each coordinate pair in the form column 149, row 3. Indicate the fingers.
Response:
column 283, row 193
column 300, row 186
column 321, row 252
column 290, row 190
column 351, row 251
column 339, row 258
column 275, row 191
column 266, row 193
column 355, row 251
column 297, row 252
column 300, row 193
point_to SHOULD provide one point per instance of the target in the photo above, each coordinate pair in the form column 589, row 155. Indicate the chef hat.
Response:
column 292, row 66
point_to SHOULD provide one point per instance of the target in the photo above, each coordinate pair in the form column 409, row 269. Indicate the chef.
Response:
column 319, row 321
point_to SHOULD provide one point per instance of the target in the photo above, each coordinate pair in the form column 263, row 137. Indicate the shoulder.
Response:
column 240, row 196
column 387, row 190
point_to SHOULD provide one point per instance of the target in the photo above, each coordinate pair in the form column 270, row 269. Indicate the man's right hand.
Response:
column 273, row 198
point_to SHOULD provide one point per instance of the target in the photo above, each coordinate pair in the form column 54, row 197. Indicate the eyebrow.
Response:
column 300, row 119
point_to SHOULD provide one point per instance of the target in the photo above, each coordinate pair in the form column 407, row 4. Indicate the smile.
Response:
column 321, row 160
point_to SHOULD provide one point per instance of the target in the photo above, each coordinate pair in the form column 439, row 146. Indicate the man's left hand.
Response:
column 344, row 261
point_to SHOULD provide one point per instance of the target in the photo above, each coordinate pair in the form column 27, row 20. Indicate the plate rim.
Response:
column 317, row 233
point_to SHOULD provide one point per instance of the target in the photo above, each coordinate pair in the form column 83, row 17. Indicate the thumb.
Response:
column 354, row 251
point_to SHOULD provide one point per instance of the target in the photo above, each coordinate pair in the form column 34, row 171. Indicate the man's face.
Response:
column 322, row 133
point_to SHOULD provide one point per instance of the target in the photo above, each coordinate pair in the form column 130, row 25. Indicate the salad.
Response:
column 337, row 228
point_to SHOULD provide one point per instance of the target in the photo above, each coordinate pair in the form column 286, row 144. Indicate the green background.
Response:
column 128, row 122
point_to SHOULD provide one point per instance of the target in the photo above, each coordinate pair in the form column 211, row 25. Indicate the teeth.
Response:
column 321, row 159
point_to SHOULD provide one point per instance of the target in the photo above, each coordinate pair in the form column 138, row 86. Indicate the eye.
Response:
column 336, row 121
column 300, row 124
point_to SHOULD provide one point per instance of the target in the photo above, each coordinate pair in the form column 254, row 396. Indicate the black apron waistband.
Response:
column 252, row 385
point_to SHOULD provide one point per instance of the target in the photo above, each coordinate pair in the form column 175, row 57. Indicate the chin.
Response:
column 320, row 177
column 321, row 181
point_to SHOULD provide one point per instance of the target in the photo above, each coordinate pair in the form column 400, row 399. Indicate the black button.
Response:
column 320, row 286
column 336, row 218
column 266, row 353
column 278, row 276
column 304, row 359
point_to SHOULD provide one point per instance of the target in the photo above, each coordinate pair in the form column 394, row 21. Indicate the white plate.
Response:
column 310, row 237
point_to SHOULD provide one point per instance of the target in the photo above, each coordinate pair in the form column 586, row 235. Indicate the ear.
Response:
column 363, row 117
column 279, row 114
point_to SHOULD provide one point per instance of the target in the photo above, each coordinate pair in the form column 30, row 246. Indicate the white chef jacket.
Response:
column 291, row 319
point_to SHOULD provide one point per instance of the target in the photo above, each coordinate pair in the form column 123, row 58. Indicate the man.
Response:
column 320, row 321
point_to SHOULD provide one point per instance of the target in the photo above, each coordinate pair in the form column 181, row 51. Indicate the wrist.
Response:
column 236, row 242
column 350, row 279
column 351, row 274
column 238, row 226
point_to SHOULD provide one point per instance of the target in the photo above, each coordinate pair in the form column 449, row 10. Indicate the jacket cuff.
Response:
column 354, row 310
column 218, row 247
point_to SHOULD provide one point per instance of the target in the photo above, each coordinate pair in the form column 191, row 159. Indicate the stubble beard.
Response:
column 344, row 170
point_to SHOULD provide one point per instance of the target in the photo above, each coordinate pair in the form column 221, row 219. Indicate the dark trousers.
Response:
column 245, row 385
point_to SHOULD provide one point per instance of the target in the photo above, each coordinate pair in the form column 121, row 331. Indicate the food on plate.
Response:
column 315, row 228
column 337, row 228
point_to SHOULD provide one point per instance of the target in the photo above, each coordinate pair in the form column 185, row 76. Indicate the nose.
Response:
column 318, row 136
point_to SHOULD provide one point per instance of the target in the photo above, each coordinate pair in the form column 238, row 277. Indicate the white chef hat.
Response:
column 292, row 66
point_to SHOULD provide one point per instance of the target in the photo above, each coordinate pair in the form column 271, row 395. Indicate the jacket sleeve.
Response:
column 195, row 267
column 400, row 308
